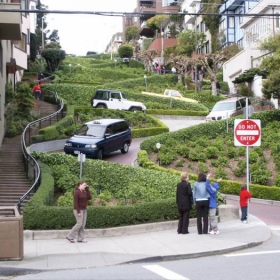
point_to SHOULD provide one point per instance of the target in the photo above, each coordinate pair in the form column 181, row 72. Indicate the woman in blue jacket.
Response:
column 213, row 190
column 201, row 201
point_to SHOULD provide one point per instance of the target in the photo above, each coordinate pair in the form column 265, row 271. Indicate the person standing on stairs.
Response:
column 37, row 91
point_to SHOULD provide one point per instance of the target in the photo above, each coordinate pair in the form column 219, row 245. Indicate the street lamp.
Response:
column 158, row 145
column 145, row 77
column 162, row 59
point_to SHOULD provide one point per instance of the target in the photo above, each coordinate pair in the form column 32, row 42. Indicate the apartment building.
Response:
column 196, row 23
column 114, row 44
column 148, row 9
column 255, row 29
column 230, row 25
column 14, row 47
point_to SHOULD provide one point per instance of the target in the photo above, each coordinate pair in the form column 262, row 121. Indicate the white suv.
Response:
column 230, row 107
column 113, row 99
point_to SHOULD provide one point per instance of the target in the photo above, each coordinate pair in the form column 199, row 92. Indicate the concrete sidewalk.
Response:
column 143, row 243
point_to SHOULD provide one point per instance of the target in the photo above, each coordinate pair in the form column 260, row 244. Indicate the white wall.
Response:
column 238, row 64
column 6, row 55
column 257, row 89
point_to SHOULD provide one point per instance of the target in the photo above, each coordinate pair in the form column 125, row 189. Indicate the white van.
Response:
column 228, row 108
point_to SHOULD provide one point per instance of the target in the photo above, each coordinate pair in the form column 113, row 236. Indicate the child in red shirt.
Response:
column 244, row 195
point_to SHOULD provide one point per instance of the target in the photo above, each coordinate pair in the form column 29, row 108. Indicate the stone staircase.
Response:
column 13, row 180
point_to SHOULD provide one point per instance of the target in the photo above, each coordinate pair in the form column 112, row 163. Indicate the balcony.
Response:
column 173, row 7
column 10, row 22
column 148, row 6
column 232, row 5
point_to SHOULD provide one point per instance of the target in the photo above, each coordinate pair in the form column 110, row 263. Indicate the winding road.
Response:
column 268, row 213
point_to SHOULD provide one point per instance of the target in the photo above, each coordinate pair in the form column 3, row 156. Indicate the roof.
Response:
column 230, row 99
column 104, row 121
column 167, row 42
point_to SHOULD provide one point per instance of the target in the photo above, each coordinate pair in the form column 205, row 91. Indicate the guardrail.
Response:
column 31, row 166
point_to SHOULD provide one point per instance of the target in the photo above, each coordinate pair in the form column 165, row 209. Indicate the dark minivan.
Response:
column 100, row 137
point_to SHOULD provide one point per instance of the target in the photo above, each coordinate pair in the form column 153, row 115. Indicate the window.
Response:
column 101, row 95
column 115, row 95
column 24, row 5
column 240, row 43
column 22, row 43
column 231, row 22
column 243, row 102
column 277, row 20
column 28, row 36
column 240, row 18
column 109, row 130
column 120, row 127
column 207, row 49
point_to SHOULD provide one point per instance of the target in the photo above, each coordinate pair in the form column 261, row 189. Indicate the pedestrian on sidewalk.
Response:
column 201, row 201
column 212, row 189
column 184, row 200
column 37, row 91
column 244, row 196
column 81, row 197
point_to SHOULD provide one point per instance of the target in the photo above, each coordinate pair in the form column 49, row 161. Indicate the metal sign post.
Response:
column 247, row 133
column 81, row 159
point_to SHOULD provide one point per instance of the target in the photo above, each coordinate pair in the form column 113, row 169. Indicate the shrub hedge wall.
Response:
column 213, row 129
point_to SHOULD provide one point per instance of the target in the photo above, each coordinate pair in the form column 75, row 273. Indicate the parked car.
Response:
column 230, row 107
column 125, row 60
column 100, row 137
column 171, row 93
column 114, row 99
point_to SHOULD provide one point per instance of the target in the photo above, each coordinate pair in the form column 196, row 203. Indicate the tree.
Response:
column 132, row 33
column 183, row 64
column 53, row 37
column 189, row 42
column 231, row 50
column 176, row 25
column 125, row 51
column 212, row 63
column 53, row 45
column 271, row 87
column 148, row 57
column 53, row 58
column 248, row 75
column 156, row 22
column 41, row 25
column 33, row 47
column 271, row 47
column 212, row 21
column 24, row 99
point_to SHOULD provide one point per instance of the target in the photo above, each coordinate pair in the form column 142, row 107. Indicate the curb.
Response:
column 195, row 255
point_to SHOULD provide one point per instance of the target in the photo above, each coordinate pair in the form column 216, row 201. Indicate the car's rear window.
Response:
column 224, row 106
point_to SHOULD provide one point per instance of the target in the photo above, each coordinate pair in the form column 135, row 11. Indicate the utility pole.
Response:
column 195, row 71
column 43, row 43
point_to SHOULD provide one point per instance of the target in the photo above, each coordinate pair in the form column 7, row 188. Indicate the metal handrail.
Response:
column 28, row 159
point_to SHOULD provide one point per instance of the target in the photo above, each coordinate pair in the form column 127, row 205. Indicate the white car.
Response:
column 113, row 99
column 230, row 107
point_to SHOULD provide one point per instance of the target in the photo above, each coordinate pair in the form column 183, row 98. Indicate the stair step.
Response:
column 13, row 181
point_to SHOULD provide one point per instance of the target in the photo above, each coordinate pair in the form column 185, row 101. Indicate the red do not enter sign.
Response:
column 247, row 132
